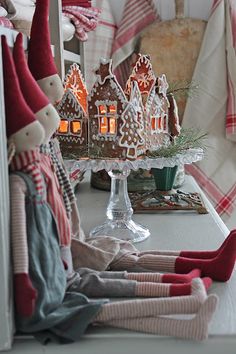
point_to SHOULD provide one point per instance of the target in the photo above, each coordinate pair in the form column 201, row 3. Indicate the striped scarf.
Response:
column 28, row 162
column 64, row 182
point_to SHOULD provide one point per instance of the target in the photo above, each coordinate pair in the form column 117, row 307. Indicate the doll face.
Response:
column 28, row 138
column 52, row 87
column 50, row 121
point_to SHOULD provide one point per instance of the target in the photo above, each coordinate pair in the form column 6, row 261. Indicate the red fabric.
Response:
column 186, row 289
column 18, row 114
column 82, row 3
column 180, row 289
column 40, row 59
column 25, row 295
column 34, row 96
column 181, row 278
column 219, row 268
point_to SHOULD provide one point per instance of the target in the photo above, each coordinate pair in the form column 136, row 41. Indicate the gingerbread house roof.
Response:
column 142, row 73
column 106, row 87
column 75, row 82
column 69, row 107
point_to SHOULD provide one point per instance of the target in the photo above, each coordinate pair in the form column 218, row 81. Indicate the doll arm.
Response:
column 25, row 294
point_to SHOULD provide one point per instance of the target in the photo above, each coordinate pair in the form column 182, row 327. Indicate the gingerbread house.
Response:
column 110, row 123
column 72, row 109
column 160, row 121
column 114, row 130
column 72, row 133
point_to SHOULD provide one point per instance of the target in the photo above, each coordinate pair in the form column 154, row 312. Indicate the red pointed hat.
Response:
column 32, row 93
column 18, row 113
column 40, row 59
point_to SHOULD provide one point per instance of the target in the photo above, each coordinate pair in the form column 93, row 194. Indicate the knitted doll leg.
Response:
column 154, row 307
column 160, row 253
column 103, row 274
column 165, row 290
column 196, row 328
column 209, row 254
column 163, row 278
column 91, row 284
column 219, row 268
column 126, row 262
column 192, row 254
column 157, row 263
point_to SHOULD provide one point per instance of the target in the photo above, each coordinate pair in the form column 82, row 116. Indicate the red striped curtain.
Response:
column 137, row 15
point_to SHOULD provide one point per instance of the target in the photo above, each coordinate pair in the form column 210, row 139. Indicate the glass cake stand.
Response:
column 119, row 211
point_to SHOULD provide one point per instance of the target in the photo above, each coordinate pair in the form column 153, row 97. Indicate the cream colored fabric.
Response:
column 216, row 173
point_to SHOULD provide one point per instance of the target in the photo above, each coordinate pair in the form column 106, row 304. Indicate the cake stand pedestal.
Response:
column 119, row 212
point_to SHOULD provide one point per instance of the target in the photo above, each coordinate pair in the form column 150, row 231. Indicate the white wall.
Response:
column 166, row 8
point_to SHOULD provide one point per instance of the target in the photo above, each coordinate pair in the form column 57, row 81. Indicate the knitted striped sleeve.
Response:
column 18, row 191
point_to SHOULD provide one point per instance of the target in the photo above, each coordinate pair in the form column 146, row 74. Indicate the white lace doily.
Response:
column 146, row 163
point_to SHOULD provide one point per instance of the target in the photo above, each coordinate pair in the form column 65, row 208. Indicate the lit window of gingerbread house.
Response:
column 72, row 132
column 72, row 109
column 106, row 104
column 107, row 118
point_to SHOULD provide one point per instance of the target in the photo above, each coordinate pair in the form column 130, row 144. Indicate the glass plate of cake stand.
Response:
column 119, row 211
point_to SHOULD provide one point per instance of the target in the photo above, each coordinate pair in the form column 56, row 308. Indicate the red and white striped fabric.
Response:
column 213, row 109
column 84, row 19
column 100, row 41
column 231, row 60
column 55, row 200
column 137, row 15
column 28, row 161
column 5, row 22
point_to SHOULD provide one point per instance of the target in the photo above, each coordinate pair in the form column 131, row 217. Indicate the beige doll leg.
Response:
column 195, row 328
column 154, row 307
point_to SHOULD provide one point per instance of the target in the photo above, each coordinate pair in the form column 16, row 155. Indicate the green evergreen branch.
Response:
column 183, row 89
column 188, row 139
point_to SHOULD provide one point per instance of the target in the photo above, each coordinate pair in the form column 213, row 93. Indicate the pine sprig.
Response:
column 183, row 89
column 188, row 139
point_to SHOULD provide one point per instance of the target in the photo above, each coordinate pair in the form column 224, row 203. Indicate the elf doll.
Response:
column 38, row 272
column 43, row 69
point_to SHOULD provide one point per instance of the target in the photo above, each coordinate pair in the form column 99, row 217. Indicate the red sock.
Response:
column 181, row 278
column 208, row 254
column 219, row 268
column 186, row 289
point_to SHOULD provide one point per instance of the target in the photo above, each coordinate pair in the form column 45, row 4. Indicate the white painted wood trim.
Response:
column 55, row 20
column 6, row 296
column 71, row 57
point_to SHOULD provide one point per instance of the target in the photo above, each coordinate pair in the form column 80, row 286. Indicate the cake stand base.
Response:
column 124, row 230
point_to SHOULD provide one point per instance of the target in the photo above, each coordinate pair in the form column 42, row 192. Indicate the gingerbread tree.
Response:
column 136, row 101
column 143, row 74
column 75, row 82
column 131, row 137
